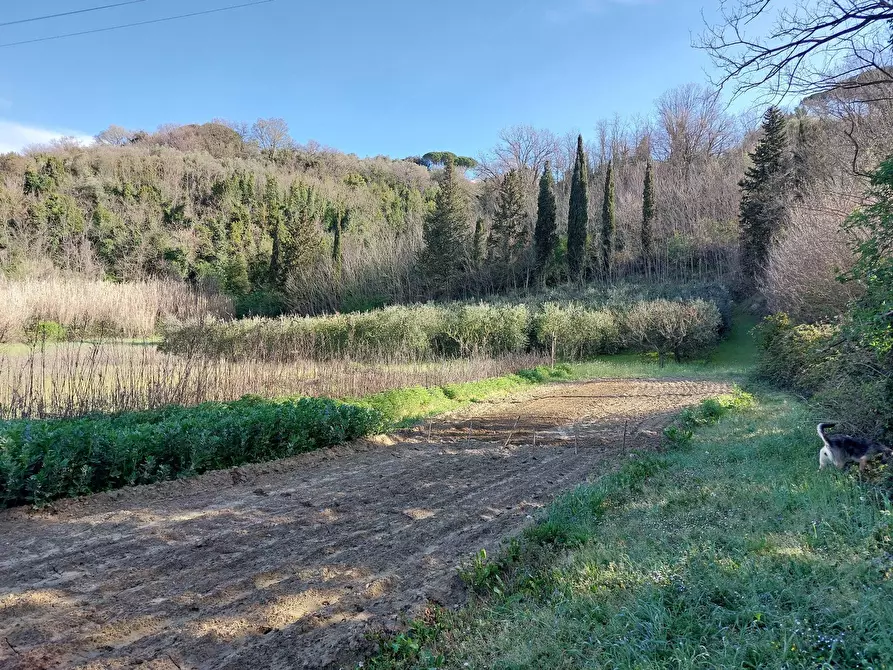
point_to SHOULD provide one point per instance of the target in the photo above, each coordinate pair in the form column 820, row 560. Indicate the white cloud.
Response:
column 16, row 136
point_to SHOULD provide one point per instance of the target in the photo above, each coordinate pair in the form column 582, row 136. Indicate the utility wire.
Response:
column 138, row 23
column 72, row 13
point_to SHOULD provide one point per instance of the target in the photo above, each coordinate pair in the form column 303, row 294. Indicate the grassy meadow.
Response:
column 728, row 550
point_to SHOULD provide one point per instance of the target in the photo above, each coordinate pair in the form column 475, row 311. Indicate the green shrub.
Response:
column 45, row 331
column 260, row 302
column 574, row 332
column 570, row 331
column 681, row 328
column 44, row 460
column 843, row 377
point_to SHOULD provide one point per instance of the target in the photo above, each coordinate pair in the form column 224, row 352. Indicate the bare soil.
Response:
column 298, row 563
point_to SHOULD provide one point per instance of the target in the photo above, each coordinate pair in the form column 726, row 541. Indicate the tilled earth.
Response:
column 298, row 563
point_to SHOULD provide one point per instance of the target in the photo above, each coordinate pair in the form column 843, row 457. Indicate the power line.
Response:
column 72, row 13
column 138, row 23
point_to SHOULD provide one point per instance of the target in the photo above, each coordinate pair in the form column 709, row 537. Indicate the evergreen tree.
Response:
column 445, row 232
column 302, row 240
column 509, row 232
column 273, row 224
column 236, row 273
column 762, row 194
column 608, row 222
column 648, row 212
column 803, row 157
column 339, row 219
column 478, row 244
column 578, row 214
column 545, row 235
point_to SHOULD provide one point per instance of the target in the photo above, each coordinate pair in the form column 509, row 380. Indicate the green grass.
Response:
column 407, row 406
column 731, row 359
column 44, row 460
column 731, row 550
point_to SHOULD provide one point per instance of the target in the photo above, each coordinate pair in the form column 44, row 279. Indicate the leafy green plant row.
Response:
column 568, row 331
column 44, row 460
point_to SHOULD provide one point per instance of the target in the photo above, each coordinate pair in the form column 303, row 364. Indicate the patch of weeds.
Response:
column 404, row 407
column 707, row 413
column 407, row 649
column 543, row 374
column 45, row 331
column 482, row 574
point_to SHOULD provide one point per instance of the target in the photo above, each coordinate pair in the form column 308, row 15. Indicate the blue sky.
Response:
column 395, row 77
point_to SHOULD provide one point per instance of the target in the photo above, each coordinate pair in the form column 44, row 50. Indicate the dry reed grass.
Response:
column 73, row 379
column 89, row 307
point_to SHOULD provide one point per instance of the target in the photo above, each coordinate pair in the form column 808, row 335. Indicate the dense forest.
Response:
column 308, row 229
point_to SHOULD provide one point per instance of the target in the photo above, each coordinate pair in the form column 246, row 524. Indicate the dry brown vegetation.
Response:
column 801, row 278
column 73, row 379
column 91, row 307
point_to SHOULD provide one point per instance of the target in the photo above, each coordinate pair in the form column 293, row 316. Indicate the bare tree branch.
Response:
column 812, row 46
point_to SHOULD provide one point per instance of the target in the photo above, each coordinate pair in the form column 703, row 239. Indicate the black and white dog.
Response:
column 840, row 450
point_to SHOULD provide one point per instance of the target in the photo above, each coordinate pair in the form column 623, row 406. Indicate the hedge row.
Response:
column 568, row 330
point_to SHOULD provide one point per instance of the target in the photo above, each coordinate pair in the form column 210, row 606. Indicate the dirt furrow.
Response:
column 294, row 564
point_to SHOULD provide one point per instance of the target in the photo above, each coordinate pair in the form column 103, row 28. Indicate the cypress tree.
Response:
column 545, row 235
column 648, row 212
column 478, row 244
column 608, row 222
column 762, row 194
column 445, row 232
column 508, row 233
column 803, row 158
column 236, row 274
column 578, row 214
column 273, row 221
column 304, row 212
column 338, row 221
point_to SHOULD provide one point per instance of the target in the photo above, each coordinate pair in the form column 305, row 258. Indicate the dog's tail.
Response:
column 820, row 429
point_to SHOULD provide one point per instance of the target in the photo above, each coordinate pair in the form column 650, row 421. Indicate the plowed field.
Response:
column 293, row 564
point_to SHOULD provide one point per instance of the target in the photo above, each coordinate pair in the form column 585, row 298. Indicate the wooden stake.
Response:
column 512, row 433
column 625, row 424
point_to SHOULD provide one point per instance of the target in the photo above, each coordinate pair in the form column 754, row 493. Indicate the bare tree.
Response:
column 813, row 45
column 866, row 125
column 115, row 136
column 270, row 135
column 692, row 124
column 613, row 140
column 522, row 148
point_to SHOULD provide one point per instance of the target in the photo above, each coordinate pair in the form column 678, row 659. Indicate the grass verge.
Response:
column 730, row 550
column 406, row 406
